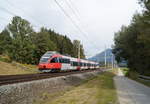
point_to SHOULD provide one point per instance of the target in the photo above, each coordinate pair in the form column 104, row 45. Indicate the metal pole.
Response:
column 112, row 61
column 79, row 50
column 105, row 58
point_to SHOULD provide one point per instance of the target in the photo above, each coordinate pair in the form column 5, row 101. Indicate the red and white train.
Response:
column 55, row 62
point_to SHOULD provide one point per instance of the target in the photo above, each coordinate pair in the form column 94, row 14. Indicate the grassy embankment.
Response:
column 16, row 68
column 12, row 68
column 98, row 90
column 134, row 75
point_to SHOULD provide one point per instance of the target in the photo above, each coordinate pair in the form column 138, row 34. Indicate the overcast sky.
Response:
column 97, row 19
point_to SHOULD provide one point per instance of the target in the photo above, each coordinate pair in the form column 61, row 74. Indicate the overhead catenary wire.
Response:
column 73, row 6
column 77, row 15
column 73, row 10
column 13, row 14
column 73, row 22
column 4, row 9
column 23, row 11
column 67, row 15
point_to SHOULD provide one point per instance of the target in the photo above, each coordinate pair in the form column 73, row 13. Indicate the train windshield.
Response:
column 47, row 55
column 43, row 60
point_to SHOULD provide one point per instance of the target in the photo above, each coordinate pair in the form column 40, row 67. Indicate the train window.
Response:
column 80, row 64
column 67, row 60
column 47, row 55
column 64, row 60
column 75, row 63
column 54, row 60
column 60, row 60
column 71, row 62
column 43, row 60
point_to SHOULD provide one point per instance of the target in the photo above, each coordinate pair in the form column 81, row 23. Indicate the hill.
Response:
column 16, row 68
column 100, row 57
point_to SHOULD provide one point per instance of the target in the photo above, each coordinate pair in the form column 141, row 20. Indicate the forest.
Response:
column 21, row 43
column 132, row 42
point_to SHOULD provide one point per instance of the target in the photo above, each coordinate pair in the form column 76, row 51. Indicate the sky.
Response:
column 93, row 22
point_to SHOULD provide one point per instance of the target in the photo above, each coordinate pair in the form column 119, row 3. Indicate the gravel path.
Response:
column 131, row 92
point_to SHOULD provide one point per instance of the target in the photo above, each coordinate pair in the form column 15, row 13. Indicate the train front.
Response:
column 47, row 62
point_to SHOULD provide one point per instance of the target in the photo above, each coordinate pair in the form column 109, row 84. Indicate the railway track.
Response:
column 10, row 79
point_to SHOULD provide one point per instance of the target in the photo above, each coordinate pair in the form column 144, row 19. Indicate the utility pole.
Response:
column 105, row 58
column 79, row 51
column 112, row 61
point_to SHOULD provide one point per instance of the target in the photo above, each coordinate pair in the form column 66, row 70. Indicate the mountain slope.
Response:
column 100, row 57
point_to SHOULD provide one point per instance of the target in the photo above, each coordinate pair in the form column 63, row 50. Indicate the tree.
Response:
column 21, row 48
column 5, row 42
column 42, row 44
column 76, row 44
column 22, row 44
column 132, row 44
column 82, row 55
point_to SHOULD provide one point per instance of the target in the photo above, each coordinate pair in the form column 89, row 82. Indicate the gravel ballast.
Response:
column 28, row 92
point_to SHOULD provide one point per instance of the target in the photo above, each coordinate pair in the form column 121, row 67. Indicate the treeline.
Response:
column 21, row 43
column 132, row 43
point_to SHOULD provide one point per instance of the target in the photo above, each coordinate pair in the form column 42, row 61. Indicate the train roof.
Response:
column 56, row 54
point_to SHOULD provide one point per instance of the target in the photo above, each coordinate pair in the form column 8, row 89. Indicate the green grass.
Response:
column 125, row 71
column 98, row 90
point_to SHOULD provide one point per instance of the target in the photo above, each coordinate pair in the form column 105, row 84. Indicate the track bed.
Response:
column 10, row 79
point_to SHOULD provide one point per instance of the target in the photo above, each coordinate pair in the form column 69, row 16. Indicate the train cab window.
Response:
column 42, row 60
column 60, row 60
column 54, row 60
column 71, row 63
